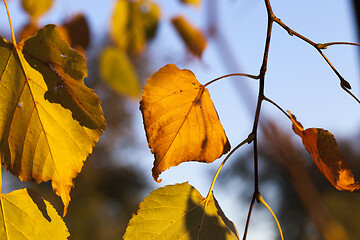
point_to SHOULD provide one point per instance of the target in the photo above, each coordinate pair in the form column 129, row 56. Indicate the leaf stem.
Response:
column 260, row 199
column 231, row 75
column 11, row 27
column 277, row 106
column 247, row 140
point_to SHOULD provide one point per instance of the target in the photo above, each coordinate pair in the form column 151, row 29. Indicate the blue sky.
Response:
column 298, row 79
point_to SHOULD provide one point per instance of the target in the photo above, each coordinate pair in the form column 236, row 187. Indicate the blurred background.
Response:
column 125, row 42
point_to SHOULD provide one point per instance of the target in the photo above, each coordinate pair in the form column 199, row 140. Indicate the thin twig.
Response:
column 249, row 215
column 325, row 45
column 318, row 47
column 293, row 33
column 342, row 80
column 348, row 91
column 262, row 73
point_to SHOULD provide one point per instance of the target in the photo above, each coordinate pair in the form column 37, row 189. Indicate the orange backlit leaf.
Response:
column 194, row 39
column 325, row 152
column 180, row 120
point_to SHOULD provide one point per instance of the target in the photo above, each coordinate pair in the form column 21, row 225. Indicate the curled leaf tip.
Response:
column 296, row 125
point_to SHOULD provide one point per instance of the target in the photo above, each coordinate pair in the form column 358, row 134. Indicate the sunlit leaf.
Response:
column 133, row 23
column 325, row 152
column 192, row 2
column 180, row 120
column 179, row 212
column 194, row 39
column 36, row 8
column 117, row 70
column 25, row 215
column 49, row 120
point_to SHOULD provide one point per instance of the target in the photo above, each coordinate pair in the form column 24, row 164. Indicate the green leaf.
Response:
column 26, row 215
column 134, row 23
column 179, row 212
column 49, row 120
column 117, row 71
column 36, row 8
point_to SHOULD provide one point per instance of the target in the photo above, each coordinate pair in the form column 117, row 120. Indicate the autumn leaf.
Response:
column 36, row 8
column 27, row 30
column 26, row 215
column 49, row 120
column 117, row 70
column 77, row 31
column 180, row 120
column 179, row 212
column 325, row 152
column 194, row 39
column 192, row 2
column 133, row 24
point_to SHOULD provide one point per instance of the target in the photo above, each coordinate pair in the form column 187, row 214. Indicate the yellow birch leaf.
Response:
column 36, row 8
column 49, row 120
column 180, row 212
column 180, row 120
column 194, row 39
column 117, row 70
column 325, row 152
column 25, row 215
column 133, row 23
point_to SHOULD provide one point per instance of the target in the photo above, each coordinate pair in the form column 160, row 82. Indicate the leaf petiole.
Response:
column 277, row 106
column 232, row 75
column 247, row 140
column 11, row 27
column 260, row 199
